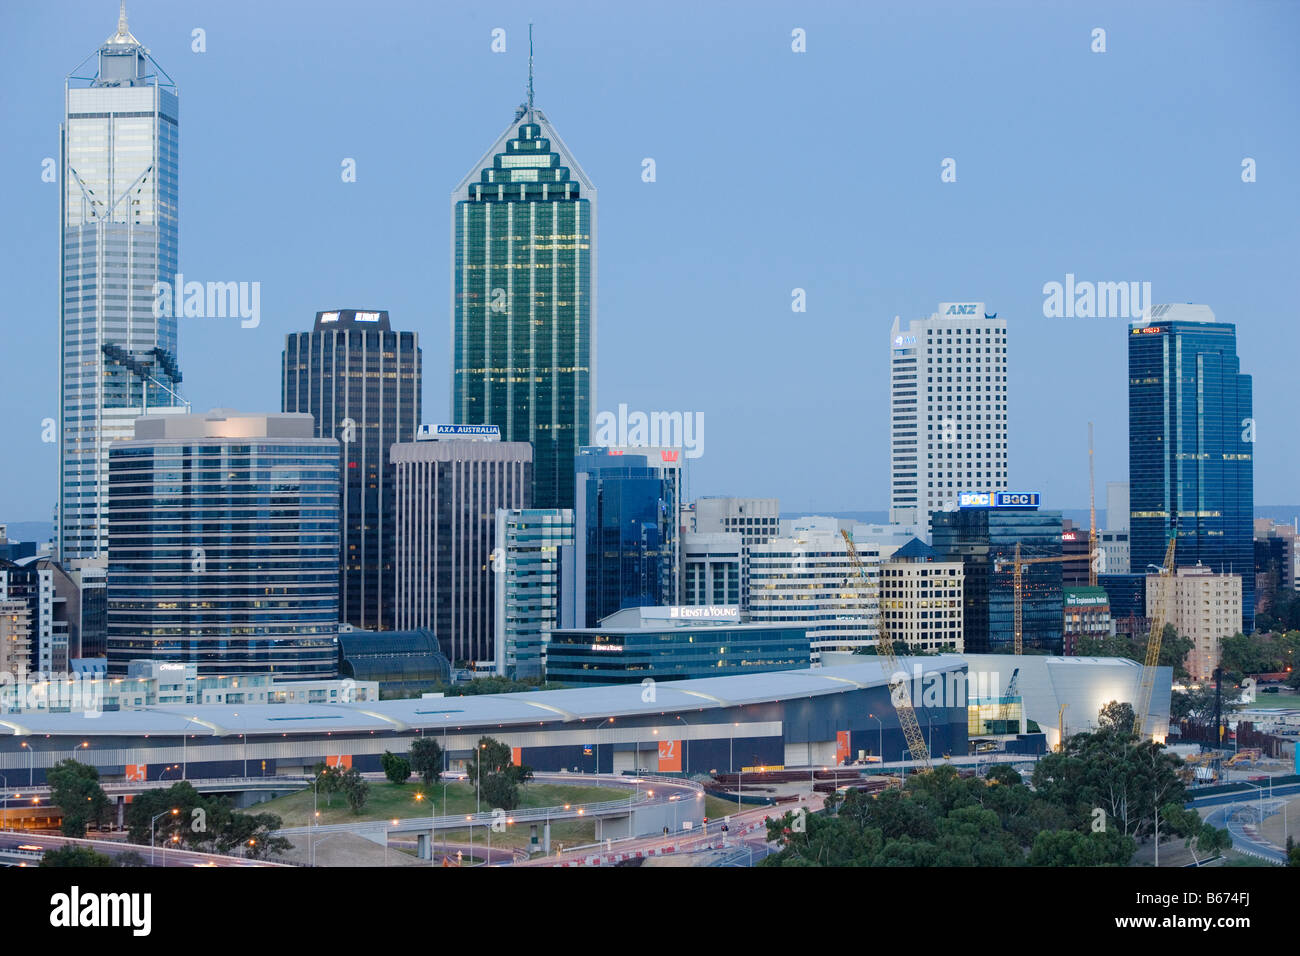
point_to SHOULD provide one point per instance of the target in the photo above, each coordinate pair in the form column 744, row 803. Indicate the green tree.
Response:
column 1292, row 852
column 190, row 825
column 355, row 788
column 1073, row 848
column 75, row 789
column 329, row 781
column 253, row 833
column 129, row 859
column 426, row 759
column 396, row 769
column 75, row 856
column 493, row 774
column 1117, row 716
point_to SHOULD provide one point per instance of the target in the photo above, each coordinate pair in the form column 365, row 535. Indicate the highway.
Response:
column 10, row 841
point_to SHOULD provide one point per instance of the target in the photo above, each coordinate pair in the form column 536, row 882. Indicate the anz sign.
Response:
column 960, row 310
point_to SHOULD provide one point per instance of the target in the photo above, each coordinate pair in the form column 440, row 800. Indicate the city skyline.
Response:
column 629, row 358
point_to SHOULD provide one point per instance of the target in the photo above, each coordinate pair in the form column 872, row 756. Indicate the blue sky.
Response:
column 775, row 170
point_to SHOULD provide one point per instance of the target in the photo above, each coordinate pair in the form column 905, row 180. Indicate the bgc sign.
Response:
column 998, row 499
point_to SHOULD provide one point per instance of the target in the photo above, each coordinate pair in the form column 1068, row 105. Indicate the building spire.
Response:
column 123, row 37
column 530, row 62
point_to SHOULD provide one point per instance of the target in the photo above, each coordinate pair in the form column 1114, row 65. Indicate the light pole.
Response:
column 433, row 827
column 685, row 744
column 6, row 815
column 184, row 747
column 315, row 814
column 174, row 812
column 607, row 720
column 245, row 736
column 30, row 752
column 881, row 727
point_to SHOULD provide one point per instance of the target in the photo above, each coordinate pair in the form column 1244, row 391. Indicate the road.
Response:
column 11, row 840
column 746, row 829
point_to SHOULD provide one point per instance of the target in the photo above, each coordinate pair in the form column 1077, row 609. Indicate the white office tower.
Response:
column 922, row 599
column 809, row 580
column 948, row 410
column 1113, row 539
column 711, row 568
column 756, row 520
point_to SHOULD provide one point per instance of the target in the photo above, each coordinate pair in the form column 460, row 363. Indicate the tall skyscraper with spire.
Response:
column 524, row 298
column 118, row 207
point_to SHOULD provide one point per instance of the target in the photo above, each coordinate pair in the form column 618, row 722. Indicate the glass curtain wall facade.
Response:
column 223, row 546
column 523, row 300
column 1191, row 446
column 627, row 533
column 118, row 206
column 530, row 548
column 360, row 381
column 620, row 656
column 984, row 538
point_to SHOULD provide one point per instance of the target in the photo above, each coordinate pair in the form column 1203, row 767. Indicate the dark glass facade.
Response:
column 626, row 533
column 984, row 539
column 523, row 302
column 624, row 656
column 360, row 381
column 1191, row 448
column 223, row 552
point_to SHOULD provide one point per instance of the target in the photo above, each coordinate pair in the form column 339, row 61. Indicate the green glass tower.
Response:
column 524, row 299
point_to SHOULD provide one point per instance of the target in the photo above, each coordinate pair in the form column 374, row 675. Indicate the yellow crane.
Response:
column 1092, row 516
column 1018, row 564
column 898, row 690
column 1141, row 712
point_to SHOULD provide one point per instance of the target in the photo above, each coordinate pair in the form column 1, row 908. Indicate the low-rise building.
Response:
column 1087, row 614
column 673, row 643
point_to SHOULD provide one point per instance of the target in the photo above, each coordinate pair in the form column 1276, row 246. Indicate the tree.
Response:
column 75, row 789
column 75, row 856
column 493, row 774
column 1195, row 704
column 1117, row 715
column 1292, row 852
column 426, row 759
column 1073, row 848
column 129, row 858
column 355, row 789
column 253, row 833
column 396, row 769
column 1177, row 820
column 329, row 781
column 191, row 821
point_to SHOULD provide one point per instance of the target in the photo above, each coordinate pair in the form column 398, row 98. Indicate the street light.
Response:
column 245, row 736
column 686, row 745
column 30, row 752
column 174, row 812
column 880, row 725
column 607, row 720
column 433, row 827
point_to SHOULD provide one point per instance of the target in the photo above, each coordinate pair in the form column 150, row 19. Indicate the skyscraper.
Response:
column 625, row 532
column 361, row 382
column 1191, row 446
column 983, row 535
column 948, row 410
column 118, row 207
column 224, row 545
column 448, row 494
column 523, row 290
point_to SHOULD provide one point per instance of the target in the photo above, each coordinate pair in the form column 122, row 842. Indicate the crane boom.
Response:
column 898, row 690
column 1141, row 713
column 1092, row 516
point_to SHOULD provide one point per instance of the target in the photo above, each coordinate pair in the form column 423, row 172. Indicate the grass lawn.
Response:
column 715, row 808
column 389, row 800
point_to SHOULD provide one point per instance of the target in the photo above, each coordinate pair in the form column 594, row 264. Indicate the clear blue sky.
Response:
column 775, row 170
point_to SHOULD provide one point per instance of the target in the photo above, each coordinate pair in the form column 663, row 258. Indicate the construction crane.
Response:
column 1092, row 516
column 898, row 690
column 1018, row 565
column 1142, row 712
column 1004, row 706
